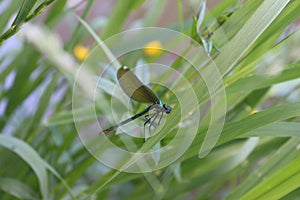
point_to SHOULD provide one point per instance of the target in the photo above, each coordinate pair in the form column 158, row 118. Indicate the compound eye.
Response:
column 167, row 108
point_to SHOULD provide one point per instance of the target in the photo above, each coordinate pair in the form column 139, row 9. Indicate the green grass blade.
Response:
column 17, row 189
column 284, row 157
column 24, row 12
column 278, row 185
column 31, row 157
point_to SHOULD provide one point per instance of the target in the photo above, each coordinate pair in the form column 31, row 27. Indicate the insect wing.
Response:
column 134, row 88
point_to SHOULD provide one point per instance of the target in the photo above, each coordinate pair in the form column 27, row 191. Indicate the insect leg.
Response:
column 152, row 121
column 148, row 120
column 160, row 118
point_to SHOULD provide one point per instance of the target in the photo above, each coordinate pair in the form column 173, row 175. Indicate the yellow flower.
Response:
column 81, row 52
column 253, row 111
column 153, row 48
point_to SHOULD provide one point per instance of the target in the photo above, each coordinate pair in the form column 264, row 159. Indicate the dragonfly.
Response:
column 139, row 92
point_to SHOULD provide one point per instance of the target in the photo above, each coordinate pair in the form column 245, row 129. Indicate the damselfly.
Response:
column 139, row 92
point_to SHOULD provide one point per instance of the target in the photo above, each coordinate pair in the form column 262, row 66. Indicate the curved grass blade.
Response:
column 31, row 157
